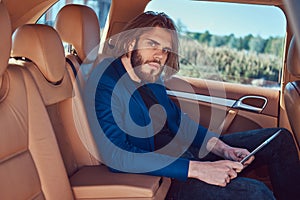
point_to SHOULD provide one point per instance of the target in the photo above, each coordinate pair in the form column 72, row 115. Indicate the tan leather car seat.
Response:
column 48, row 68
column 292, row 90
column 78, row 26
column 31, row 166
column 47, row 65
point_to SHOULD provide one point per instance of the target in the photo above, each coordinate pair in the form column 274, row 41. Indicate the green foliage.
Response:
column 257, row 44
column 272, row 45
column 248, row 60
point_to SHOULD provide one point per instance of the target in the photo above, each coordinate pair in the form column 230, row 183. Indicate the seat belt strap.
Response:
column 72, row 66
column 227, row 121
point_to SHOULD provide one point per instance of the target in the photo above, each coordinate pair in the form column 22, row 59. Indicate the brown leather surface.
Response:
column 5, row 35
column 40, row 44
column 293, row 61
column 226, row 90
column 61, row 96
column 48, row 54
column 84, row 141
column 51, row 93
column 26, row 12
column 292, row 90
column 31, row 164
column 93, row 182
column 27, row 143
column 78, row 25
column 292, row 103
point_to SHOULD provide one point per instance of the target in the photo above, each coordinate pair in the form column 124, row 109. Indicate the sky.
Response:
column 224, row 18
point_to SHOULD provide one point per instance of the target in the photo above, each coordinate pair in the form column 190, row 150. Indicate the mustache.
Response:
column 153, row 61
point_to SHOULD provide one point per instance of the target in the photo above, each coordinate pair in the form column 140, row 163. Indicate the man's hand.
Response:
column 237, row 154
column 227, row 152
column 216, row 173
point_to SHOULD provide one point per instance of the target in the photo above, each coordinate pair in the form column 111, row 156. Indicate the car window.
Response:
column 228, row 42
column 101, row 8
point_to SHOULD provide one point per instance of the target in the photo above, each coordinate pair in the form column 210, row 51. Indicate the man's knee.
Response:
column 285, row 138
column 259, row 190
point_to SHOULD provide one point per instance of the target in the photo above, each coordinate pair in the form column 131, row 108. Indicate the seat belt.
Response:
column 227, row 121
column 72, row 66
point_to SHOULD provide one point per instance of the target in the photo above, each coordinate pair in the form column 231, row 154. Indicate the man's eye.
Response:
column 151, row 44
column 165, row 51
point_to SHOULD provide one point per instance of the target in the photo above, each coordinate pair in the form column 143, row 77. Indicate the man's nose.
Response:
column 159, row 53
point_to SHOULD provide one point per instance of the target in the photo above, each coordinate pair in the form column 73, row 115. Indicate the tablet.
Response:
column 260, row 146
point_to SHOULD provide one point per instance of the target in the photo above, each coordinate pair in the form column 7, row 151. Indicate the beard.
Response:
column 138, row 63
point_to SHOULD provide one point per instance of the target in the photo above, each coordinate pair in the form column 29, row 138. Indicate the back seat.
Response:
column 78, row 27
column 46, row 63
column 48, row 68
column 31, row 166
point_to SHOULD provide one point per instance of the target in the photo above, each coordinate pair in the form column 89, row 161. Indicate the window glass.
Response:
column 228, row 42
column 101, row 8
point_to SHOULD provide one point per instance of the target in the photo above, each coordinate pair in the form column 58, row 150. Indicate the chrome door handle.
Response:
column 243, row 104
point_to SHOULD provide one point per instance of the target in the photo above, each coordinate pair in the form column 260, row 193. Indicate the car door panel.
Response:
column 225, row 107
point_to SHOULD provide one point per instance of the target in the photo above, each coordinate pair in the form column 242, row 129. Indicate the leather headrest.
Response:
column 78, row 25
column 5, row 38
column 42, row 45
column 293, row 59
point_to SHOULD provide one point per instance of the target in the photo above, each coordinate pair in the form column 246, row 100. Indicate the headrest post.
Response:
column 70, row 47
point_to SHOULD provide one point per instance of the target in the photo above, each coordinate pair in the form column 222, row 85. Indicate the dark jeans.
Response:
column 280, row 156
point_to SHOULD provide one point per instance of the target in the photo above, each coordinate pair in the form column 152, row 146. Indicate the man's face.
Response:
column 151, row 53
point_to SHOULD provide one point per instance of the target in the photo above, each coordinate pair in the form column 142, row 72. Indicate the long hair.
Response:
column 139, row 25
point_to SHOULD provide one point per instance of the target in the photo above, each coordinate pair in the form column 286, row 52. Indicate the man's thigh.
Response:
column 248, row 139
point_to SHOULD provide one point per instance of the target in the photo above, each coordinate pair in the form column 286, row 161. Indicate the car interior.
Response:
column 47, row 149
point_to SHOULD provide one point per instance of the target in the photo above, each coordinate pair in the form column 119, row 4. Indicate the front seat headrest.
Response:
column 293, row 59
column 78, row 25
column 5, row 35
column 42, row 45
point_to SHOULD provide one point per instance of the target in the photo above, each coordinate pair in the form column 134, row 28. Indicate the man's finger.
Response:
column 232, row 174
column 249, row 161
column 236, row 166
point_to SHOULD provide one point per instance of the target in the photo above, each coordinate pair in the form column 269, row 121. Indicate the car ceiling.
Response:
column 28, row 11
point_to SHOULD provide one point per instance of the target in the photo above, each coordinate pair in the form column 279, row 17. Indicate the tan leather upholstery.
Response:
column 48, row 55
column 51, row 62
column 292, row 90
column 78, row 25
column 5, row 35
column 293, row 61
column 31, row 166
column 92, row 181
column 72, row 130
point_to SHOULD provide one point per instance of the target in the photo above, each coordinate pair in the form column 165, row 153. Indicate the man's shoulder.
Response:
column 108, row 63
column 104, row 73
column 109, row 67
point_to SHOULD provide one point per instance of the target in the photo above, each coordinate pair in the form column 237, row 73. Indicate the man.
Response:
column 140, row 130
